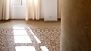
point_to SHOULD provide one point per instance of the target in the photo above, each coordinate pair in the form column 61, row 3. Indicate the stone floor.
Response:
column 20, row 35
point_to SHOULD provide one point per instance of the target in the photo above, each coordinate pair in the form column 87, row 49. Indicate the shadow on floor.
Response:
column 4, row 21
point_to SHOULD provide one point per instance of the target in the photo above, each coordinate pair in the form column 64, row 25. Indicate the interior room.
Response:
column 45, row 25
column 30, row 25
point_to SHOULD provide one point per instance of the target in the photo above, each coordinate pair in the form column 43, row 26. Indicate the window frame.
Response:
column 20, row 2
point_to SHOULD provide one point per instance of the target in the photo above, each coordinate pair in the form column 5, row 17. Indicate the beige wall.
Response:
column 0, row 8
column 59, row 8
column 76, row 25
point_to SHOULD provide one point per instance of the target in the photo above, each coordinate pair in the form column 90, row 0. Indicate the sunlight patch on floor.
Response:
column 38, row 41
column 17, row 27
column 22, row 39
column 44, row 48
column 20, row 32
column 25, row 48
column 21, row 36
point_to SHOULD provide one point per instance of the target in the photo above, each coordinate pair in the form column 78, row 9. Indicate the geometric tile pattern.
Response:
column 48, row 37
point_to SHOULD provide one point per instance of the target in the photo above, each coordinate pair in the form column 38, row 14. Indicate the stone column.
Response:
column 76, row 25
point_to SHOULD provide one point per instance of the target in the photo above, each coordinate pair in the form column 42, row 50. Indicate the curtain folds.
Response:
column 5, row 9
column 33, row 9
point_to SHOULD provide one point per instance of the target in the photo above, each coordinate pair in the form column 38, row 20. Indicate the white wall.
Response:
column 43, row 7
column 19, row 11
column 50, row 10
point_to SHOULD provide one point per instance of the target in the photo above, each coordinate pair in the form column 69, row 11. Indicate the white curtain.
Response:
column 5, row 9
column 32, row 9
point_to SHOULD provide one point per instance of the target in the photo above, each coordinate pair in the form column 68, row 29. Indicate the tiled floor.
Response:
column 29, row 36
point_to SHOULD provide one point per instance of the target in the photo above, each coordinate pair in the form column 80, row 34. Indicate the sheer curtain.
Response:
column 5, row 9
column 33, row 9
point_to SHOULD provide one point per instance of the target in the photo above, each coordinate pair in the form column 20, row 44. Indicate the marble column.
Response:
column 75, row 25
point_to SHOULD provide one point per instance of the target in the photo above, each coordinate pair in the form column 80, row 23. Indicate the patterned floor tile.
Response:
column 48, row 37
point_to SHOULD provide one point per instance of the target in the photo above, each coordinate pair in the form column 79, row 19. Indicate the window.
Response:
column 18, row 2
column 23, row 2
